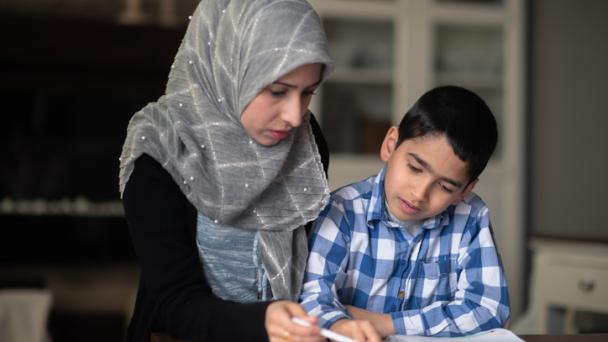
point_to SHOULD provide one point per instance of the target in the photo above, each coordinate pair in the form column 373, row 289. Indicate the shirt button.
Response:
column 401, row 294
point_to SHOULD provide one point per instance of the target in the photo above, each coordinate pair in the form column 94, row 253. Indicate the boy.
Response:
column 411, row 249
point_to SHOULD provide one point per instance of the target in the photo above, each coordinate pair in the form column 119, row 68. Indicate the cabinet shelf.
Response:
column 362, row 76
column 350, row 9
column 469, row 79
column 468, row 13
column 78, row 207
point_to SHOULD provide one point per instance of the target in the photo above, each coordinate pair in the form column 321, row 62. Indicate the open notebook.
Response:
column 494, row 335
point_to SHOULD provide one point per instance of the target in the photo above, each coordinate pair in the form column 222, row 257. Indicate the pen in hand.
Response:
column 324, row 332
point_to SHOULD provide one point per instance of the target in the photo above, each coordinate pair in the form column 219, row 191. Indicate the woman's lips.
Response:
column 279, row 135
column 408, row 208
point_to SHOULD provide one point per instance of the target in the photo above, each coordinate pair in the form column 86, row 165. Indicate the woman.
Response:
column 220, row 175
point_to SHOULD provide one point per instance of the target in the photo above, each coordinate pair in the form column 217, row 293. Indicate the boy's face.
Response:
column 423, row 176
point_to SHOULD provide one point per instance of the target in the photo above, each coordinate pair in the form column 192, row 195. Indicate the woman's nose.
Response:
column 293, row 111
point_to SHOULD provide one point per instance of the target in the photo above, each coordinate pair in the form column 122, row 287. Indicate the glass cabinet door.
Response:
column 356, row 102
column 472, row 57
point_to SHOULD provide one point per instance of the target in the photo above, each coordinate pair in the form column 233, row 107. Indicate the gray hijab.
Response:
column 233, row 49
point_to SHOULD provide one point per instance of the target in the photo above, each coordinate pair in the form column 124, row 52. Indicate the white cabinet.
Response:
column 389, row 52
column 567, row 276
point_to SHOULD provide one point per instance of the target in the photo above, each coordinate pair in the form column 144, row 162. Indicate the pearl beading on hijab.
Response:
column 194, row 130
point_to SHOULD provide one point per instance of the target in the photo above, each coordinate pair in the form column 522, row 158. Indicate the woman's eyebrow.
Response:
column 428, row 167
column 288, row 85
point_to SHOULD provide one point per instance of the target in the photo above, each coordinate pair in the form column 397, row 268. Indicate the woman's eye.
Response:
column 309, row 93
column 277, row 92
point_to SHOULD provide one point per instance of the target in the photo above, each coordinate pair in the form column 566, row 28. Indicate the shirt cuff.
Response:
column 407, row 324
column 327, row 319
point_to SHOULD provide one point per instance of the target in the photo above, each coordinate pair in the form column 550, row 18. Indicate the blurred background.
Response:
column 72, row 72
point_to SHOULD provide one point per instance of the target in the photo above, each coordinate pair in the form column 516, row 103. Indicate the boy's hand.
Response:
column 280, row 328
column 362, row 331
column 382, row 322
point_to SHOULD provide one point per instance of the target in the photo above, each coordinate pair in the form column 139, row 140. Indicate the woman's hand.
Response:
column 362, row 331
column 280, row 328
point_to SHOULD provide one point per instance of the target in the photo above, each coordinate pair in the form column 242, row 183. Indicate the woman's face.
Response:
column 272, row 115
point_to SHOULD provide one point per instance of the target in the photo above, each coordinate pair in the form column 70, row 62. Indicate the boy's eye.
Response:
column 446, row 188
column 414, row 168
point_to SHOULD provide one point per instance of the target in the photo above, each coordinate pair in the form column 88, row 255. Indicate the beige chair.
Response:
column 24, row 314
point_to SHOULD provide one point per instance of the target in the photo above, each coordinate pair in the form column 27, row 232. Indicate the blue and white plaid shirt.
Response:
column 445, row 280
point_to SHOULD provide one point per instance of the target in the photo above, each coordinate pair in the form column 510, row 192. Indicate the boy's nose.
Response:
column 420, row 191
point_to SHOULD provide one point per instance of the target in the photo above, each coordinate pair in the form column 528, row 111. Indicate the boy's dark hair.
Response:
column 462, row 116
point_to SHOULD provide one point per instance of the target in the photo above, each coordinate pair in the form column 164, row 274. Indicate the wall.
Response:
column 569, row 145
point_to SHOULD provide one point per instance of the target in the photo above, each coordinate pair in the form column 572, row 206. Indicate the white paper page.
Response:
column 494, row 335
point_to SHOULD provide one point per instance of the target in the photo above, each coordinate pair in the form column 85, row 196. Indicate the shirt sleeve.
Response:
column 481, row 300
column 325, row 272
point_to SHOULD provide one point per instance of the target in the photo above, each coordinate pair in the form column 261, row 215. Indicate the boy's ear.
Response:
column 467, row 190
column 389, row 143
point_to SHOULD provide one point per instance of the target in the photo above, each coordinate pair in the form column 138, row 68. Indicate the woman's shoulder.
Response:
column 146, row 165
column 148, row 172
column 149, row 183
column 320, row 141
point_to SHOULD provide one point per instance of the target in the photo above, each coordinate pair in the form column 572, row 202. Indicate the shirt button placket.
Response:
column 403, row 283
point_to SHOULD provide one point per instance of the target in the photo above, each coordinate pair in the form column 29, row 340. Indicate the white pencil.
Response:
column 324, row 332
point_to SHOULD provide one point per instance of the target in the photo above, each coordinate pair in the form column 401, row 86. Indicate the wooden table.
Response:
column 527, row 338
column 566, row 338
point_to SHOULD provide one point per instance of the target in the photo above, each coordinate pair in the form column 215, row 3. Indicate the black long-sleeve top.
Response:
column 174, row 297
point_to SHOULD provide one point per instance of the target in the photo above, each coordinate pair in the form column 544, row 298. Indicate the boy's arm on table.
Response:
column 326, row 272
column 481, row 300
column 382, row 322
column 326, row 267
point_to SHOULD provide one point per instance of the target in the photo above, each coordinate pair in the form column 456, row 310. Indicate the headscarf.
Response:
column 231, row 51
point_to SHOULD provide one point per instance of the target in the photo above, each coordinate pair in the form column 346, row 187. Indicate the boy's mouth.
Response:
column 408, row 208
